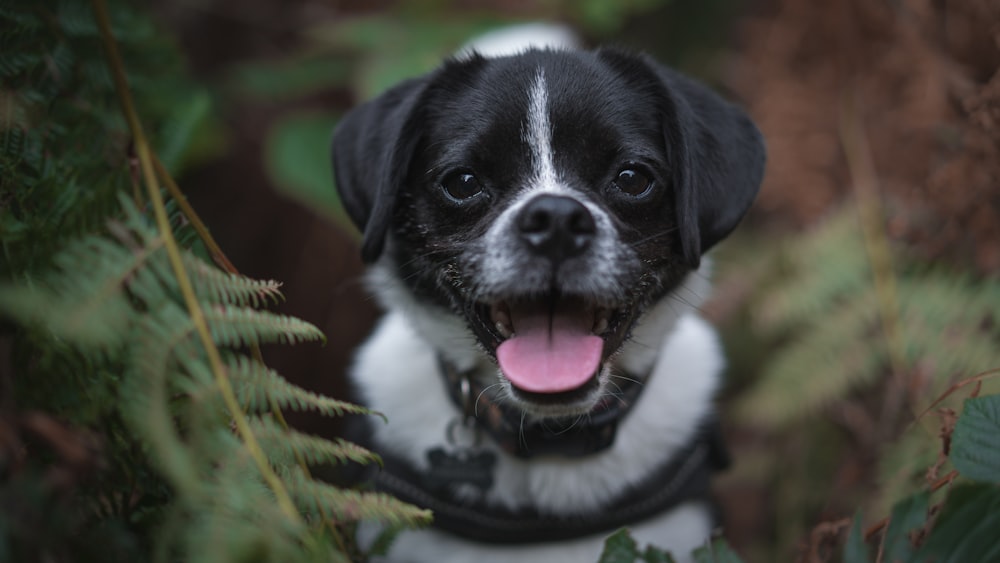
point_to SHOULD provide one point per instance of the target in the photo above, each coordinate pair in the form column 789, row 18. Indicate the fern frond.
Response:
column 210, row 283
column 831, row 356
column 259, row 388
column 241, row 520
column 81, row 299
column 902, row 468
column 282, row 445
column 145, row 401
column 215, row 286
column 948, row 325
column 237, row 326
column 828, row 310
column 113, row 337
column 823, row 267
column 313, row 496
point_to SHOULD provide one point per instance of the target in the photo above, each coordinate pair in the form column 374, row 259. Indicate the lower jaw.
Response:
column 572, row 402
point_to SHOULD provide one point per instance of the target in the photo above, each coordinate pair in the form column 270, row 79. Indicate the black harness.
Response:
column 685, row 477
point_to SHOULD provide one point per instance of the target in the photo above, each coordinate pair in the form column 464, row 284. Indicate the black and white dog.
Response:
column 536, row 225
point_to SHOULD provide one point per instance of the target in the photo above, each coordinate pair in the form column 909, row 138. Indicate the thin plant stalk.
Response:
column 173, row 252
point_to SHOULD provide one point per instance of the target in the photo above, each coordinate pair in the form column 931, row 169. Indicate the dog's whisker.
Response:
column 680, row 299
column 692, row 291
column 570, row 426
column 625, row 378
column 620, row 395
column 618, row 387
column 520, row 430
column 475, row 405
column 656, row 236
column 430, row 268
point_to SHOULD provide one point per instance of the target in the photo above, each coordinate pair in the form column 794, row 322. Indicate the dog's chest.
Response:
column 398, row 374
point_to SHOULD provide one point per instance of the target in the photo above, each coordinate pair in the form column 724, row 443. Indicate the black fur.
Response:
column 705, row 148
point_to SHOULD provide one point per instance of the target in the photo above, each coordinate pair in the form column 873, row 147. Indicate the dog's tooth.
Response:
column 601, row 320
column 504, row 330
column 501, row 316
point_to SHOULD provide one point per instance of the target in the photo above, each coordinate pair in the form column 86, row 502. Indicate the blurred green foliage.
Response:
column 620, row 547
column 116, row 443
column 844, row 374
column 298, row 160
column 365, row 55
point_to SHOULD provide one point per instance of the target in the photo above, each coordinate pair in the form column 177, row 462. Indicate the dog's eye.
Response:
column 461, row 186
column 632, row 182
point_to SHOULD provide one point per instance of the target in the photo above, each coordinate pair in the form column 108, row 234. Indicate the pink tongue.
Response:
column 550, row 353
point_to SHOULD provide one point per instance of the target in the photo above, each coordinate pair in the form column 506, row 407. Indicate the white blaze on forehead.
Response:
column 504, row 266
column 538, row 133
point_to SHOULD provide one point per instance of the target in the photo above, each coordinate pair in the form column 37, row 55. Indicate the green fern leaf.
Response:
column 313, row 496
column 282, row 445
column 112, row 339
column 217, row 286
column 81, row 299
column 235, row 327
column 210, row 283
column 259, row 388
column 830, row 357
column 947, row 327
column 828, row 309
column 826, row 266
column 145, row 401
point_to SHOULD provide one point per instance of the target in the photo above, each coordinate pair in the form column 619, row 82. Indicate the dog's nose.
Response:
column 556, row 227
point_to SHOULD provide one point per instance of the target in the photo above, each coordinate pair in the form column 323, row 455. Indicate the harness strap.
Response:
column 685, row 478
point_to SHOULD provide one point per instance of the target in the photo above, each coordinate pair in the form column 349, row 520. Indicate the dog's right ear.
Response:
column 372, row 148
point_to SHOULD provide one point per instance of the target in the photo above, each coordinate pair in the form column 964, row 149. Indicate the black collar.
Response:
column 572, row 437
column 686, row 477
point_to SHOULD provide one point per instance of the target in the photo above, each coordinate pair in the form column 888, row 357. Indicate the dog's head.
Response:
column 546, row 201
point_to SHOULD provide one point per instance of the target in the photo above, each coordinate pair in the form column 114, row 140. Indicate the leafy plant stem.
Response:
column 881, row 524
column 218, row 256
column 865, row 182
column 133, row 178
column 223, row 262
column 977, row 379
column 278, row 416
column 197, row 315
column 214, row 249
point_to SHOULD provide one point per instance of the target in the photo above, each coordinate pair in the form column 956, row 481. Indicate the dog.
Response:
column 535, row 224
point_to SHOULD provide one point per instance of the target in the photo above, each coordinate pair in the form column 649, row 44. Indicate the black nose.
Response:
column 556, row 227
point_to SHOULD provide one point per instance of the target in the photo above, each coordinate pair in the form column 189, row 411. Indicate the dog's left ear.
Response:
column 372, row 148
column 717, row 152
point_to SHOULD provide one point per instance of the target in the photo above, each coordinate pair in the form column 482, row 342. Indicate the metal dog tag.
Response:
column 468, row 467
column 467, row 464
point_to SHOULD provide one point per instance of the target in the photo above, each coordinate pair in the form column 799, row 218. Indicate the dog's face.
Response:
column 547, row 200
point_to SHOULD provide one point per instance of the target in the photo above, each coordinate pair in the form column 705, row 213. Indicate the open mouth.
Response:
column 550, row 348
